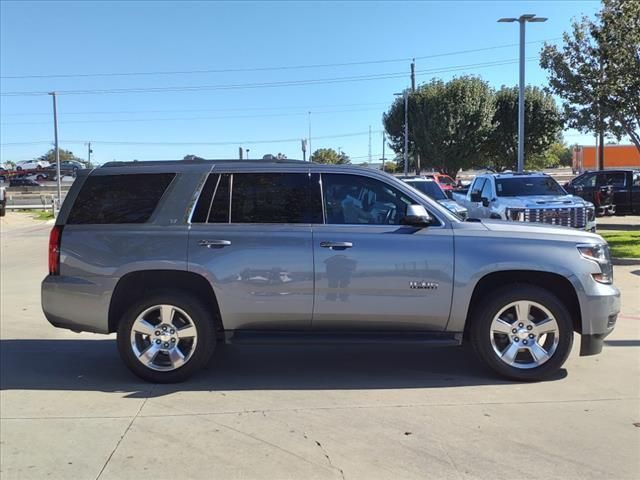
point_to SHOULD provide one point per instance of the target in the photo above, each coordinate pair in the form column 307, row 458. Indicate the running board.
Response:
column 280, row 337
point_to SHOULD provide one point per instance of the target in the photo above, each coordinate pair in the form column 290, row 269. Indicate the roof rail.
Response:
column 195, row 162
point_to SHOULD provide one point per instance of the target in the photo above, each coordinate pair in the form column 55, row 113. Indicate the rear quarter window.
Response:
column 130, row 198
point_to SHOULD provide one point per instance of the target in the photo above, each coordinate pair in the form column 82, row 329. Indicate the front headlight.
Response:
column 599, row 253
column 515, row 214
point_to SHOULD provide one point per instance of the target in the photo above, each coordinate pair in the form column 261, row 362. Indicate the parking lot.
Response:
column 70, row 409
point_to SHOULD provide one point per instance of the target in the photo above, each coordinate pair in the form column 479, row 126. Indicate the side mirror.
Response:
column 485, row 202
column 416, row 216
column 475, row 197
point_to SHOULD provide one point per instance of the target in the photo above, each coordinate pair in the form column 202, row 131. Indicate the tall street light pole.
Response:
column 55, row 134
column 522, row 20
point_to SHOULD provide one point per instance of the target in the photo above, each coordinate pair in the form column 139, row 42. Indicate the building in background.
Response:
column 615, row 156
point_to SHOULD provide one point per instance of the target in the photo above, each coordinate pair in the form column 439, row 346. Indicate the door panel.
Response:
column 263, row 279
column 369, row 285
column 251, row 237
column 371, row 272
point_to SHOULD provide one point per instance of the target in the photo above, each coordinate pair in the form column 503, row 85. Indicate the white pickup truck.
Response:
column 526, row 197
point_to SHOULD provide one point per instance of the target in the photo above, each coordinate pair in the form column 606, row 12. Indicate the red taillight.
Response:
column 54, row 250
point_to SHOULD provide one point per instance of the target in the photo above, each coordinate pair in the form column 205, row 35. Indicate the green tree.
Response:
column 543, row 124
column 65, row 155
column 390, row 167
column 558, row 154
column 597, row 71
column 448, row 123
column 329, row 155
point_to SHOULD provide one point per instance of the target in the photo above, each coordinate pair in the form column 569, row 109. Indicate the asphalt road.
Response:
column 70, row 410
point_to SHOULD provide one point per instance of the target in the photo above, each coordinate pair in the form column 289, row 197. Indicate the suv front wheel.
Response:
column 523, row 332
column 165, row 338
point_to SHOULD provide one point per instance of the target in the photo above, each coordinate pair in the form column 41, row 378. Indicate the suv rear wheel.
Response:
column 522, row 332
column 166, row 338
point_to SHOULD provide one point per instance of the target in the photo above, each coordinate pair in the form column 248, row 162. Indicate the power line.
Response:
column 264, row 69
column 223, row 117
column 234, row 142
column 114, row 112
column 286, row 83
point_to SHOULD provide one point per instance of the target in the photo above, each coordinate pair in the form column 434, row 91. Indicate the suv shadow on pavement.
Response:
column 93, row 365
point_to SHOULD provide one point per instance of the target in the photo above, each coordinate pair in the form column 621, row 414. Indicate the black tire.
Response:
column 481, row 337
column 3, row 211
column 202, row 351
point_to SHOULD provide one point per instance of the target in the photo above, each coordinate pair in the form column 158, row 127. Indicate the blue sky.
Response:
column 145, row 37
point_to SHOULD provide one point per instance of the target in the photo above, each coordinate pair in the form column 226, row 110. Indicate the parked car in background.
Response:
column 445, row 181
column 622, row 185
column 174, row 256
column 23, row 182
column 433, row 190
column 32, row 165
column 39, row 176
column 526, row 197
column 70, row 166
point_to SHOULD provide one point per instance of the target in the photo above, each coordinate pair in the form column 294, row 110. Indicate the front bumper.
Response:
column 599, row 314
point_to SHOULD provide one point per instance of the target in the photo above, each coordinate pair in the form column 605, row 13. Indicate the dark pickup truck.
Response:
column 622, row 185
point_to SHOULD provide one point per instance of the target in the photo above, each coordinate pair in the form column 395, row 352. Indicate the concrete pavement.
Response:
column 70, row 409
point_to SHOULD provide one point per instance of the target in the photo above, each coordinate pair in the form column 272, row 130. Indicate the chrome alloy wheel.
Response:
column 524, row 334
column 163, row 337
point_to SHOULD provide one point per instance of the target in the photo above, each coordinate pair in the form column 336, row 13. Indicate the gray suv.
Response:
column 176, row 256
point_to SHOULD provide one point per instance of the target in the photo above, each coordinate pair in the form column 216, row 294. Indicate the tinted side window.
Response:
column 119, row 198
column 588, row 180
column 219, row 211
column 487, row 191
column 615, row 179
column 478, row 185
column 213, row 204
column 201, row 212
column 274, row 198
column 352, row 199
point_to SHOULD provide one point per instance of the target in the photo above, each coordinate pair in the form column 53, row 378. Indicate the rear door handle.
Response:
column 214, row 243
column 336, row 245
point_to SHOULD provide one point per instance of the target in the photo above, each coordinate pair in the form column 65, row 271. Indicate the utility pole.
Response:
column 413, row 90
column 303, row 143
column 405, row 154
column 413, row 75
column 309, row 138
column 247, row 154
column 369, row 145
column 55, row 133
column 383, row 142
column 89, row 152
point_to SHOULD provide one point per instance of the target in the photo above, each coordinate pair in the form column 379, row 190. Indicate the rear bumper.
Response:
column 77, row 304
column 599, row 314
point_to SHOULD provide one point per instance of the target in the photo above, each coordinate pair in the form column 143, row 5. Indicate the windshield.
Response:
column 446, row 180
column 522, row 186
column 430, row 189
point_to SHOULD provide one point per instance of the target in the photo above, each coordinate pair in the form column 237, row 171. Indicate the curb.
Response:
column 625, row 261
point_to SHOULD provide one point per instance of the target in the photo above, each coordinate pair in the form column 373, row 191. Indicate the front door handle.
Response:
column 214, row 243
column 336, row 245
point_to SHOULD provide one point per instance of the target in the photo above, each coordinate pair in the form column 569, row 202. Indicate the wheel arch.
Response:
column 555, row 283
column 134, row 285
